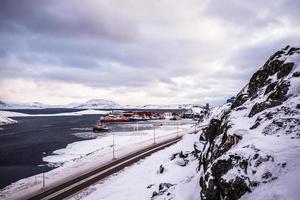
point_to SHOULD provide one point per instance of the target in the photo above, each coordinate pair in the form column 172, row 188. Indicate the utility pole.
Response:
column 113, row 146
column 154, row 135
column 43, row 180
column 177, row 129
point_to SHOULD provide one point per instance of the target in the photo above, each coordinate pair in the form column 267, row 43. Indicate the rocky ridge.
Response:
column 255, row 141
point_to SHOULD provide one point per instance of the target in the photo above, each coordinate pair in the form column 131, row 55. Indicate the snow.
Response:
column 277, row 146
column 21, row 106
column 216, row 112
column 6, row 120
column 93, row 104
column 102, row 144
column 97, row 104
column 141, row 179
column 82, row 157
column 286, row 187
column 197, row 110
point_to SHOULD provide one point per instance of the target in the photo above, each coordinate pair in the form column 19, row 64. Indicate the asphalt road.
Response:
column 77, row 184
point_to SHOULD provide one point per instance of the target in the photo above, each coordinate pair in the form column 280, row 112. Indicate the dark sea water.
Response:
column 23, row 145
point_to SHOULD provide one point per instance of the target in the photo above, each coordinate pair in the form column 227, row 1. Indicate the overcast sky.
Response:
column 138, row 51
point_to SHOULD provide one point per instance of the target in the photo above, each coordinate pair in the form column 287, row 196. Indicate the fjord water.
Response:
column 23, row 145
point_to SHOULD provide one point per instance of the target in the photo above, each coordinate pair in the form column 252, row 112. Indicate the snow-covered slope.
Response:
column 168, row 174
column 252, row 149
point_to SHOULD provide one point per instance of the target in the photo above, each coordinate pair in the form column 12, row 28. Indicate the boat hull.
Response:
column 97, row 130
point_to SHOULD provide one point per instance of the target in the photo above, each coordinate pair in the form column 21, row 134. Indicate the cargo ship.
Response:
column 119, row 116
column 115, row 119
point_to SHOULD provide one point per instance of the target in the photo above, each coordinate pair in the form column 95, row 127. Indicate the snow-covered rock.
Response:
column 217, row 112
column 252, row 149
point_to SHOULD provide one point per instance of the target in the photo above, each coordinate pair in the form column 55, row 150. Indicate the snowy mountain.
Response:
column 97, row 104
column 93, row 104
column 252, row 148
column 34, row 105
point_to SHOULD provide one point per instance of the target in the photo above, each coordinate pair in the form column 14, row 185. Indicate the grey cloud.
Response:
column 66, row 19
column 250, row 58
column 101, row 45
column 253, row 14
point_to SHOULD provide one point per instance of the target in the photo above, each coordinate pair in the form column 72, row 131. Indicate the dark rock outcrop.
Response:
column 162, row 189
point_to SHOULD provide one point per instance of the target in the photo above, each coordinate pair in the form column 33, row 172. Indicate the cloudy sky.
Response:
column 138, row 51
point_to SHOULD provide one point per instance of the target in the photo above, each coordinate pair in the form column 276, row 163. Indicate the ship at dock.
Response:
column 119, row 116
column 100, row 127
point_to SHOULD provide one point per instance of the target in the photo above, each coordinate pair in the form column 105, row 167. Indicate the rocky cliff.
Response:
column 255, row 143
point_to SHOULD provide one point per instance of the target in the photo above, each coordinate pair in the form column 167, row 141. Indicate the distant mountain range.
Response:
column 95, row 103
column 34, row 105
column 92, row 104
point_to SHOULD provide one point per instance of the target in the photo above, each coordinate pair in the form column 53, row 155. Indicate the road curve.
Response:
column 77, row 184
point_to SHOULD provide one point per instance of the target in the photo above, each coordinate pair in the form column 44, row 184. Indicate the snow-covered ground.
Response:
column 216, row 112
column 103, row 145
column 81, row 157
column 284, row 148
column 165, row 174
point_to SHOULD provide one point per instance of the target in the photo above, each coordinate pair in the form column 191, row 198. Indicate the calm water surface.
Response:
column 23, row 145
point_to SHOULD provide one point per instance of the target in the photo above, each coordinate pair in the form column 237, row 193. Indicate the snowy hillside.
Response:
column 168, row 174
column 252, row 149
